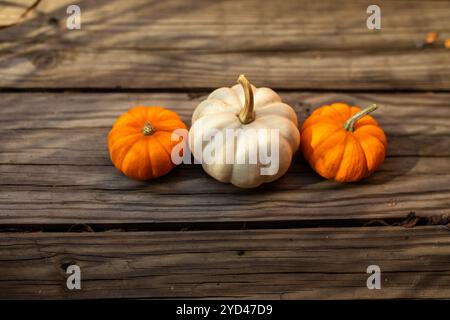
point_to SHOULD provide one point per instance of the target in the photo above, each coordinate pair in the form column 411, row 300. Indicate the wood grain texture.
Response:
column 315, row 263
column 55, row 169
column 204, row 44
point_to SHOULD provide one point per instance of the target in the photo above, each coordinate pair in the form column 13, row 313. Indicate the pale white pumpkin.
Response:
column 244, row 107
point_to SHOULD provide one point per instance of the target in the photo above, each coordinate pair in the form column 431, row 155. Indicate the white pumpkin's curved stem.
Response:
column 148, row 129
column 350, row 123
column 247, row 113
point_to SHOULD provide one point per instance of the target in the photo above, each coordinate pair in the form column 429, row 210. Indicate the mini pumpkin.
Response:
column 244, row 107
column 343, row 143
column 140, row 143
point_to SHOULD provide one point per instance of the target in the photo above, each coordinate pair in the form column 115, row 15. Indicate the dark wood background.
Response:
column 185, row 234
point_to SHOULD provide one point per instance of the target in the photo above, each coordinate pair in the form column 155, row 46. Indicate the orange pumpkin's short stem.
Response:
column 148, row 129
column 247, row 114
column 350, row 123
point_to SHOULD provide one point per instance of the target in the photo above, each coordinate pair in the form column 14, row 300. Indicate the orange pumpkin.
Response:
column 140, row 143
column 343, row 143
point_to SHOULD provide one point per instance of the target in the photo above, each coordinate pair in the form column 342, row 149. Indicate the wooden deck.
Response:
column 186, row 235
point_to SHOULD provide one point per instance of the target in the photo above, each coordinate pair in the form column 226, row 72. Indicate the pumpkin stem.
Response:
column 148, row 129
column 350, row 123
column 247, row 114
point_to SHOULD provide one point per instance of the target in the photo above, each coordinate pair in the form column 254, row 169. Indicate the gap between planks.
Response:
column 204, row 91
column 55, row 167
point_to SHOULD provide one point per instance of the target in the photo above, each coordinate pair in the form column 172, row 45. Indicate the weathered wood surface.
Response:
column 319, row 263
column 55, row 168
column 198, row 44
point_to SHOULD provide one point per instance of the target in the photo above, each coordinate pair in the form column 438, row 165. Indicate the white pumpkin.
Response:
column 244, row 107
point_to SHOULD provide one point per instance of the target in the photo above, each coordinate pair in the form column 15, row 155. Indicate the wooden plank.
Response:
column 198, row 44
column 55, row 169
column 318, row 263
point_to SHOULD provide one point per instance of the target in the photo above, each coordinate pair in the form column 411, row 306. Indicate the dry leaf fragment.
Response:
column 431, row 37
